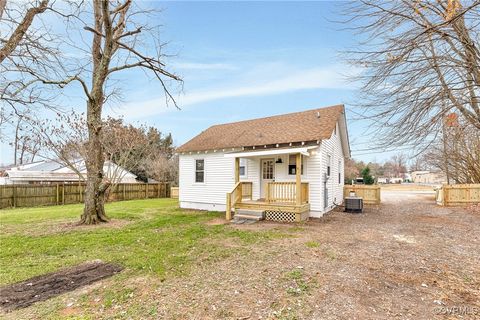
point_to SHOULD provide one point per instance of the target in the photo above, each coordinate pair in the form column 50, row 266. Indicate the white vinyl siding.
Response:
column 253, row 175
column 332, row 152
column 219, row 177
column 218, row 180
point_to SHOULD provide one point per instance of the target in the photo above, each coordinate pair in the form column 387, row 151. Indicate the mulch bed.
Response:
column 23, row 294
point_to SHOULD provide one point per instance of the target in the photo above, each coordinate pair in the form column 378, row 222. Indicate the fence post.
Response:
column 146, row 190
column 445, row 196
column 63, row 193
column 58, row 194
column 158, row 190
column 123, row 191
column 14, row 196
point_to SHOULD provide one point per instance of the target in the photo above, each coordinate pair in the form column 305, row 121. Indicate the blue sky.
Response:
column 242, row 60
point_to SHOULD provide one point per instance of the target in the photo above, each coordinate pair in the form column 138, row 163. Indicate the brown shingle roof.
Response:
column 286, row 128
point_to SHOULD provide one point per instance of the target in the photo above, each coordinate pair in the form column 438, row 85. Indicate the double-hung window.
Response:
column 243, row 167
column 329, row 165
column 339, row 172
column 200, row 170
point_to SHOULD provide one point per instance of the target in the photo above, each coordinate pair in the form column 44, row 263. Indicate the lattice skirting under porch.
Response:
column 281, row 216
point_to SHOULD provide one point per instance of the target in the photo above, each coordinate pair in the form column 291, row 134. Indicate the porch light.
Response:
column 279, row 160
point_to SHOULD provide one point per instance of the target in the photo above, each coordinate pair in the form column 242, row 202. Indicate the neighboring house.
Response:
column 288, row 166
column 395, row 180
column 407, row 177
column 382, row 180
column 48, row 172
column 429, row 177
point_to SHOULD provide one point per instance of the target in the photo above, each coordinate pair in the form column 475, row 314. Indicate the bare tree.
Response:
column 111, row 34
column 461, row 143
column 18, row 35
column 126, row 147
column 420, row 60
column 28, row 50
column 25, row 144
column 118, row 43
column 163, row 168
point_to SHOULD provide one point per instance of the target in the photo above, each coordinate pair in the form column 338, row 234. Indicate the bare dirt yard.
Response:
column 405, row 259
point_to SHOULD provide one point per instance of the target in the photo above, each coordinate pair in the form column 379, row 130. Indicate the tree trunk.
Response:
column 94, row 211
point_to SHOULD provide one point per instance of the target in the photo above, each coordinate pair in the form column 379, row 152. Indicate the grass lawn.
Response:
column 149, row 237
column 397, row 260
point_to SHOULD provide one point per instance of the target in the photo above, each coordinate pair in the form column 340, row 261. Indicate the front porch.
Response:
column 279, row 201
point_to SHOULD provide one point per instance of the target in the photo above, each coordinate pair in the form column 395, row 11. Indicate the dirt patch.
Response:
column 267, row 225
column 474, row 208
column 73, row 226
column 216, row 222
column 40, row 288
column 64, row 226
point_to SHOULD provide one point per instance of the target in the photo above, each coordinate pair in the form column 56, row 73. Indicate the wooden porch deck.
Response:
column 276, row 211
column 274, row 206
column 285, row 201
column 281, row 203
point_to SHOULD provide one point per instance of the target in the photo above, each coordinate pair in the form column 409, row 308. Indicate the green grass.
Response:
column 312, row 244
column 301, row 284
column 147, row 236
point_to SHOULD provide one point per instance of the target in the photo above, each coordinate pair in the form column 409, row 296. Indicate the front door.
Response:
column 267, row 175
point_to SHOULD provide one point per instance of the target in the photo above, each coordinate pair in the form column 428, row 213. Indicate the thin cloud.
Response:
column 203, row 66
column 317, row 78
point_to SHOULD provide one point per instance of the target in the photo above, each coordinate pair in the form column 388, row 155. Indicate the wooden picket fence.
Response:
column 458, row 194
column 31, row 195
column 174, row 192
column 369, row 193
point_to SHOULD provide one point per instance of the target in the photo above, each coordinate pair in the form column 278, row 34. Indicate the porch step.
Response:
column 250, row 213
column 247, row 217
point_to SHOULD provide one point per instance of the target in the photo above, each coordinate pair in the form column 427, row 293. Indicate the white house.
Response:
column 47, row 171
column 288, row 167
column 429, row 177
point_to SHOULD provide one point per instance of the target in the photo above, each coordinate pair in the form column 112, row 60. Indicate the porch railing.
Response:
column 241, row 191
column 286, row 192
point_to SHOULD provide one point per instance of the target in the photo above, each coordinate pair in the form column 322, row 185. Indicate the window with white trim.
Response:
column 329, row 165
column 292, row 164
column 199, row 170
column 339, row 172
column 243, row 167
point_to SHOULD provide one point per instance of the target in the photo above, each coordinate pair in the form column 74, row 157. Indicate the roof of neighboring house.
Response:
column 48, row 170
column 46, row 166
column 310, row 125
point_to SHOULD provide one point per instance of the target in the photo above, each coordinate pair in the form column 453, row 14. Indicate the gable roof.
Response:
column 310, row 125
